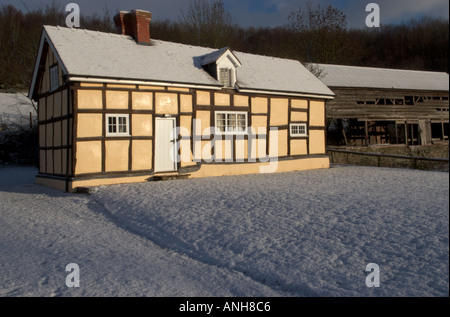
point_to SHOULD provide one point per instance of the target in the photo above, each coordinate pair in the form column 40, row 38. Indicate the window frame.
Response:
column 226, row 113
column 230, row 75
column 298, row 134
column 117, row 124
column 54, row 77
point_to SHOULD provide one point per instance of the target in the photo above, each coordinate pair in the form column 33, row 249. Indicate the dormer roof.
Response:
column 217, row 56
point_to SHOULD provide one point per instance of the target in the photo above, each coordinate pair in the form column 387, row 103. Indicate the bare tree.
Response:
column 207, row 23
column 321, row 32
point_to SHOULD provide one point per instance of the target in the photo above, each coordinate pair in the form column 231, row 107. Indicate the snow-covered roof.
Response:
column 95, row 54
column 368, row 77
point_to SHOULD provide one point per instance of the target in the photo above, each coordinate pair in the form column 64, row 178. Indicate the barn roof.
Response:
column 368, row 77
column 92, row 54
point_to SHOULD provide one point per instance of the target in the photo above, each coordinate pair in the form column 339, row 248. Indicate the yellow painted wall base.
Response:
column 262, row 168
column 206, row 170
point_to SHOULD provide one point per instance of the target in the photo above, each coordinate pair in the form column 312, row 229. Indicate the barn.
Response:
column 385, row 106
column 123, row 108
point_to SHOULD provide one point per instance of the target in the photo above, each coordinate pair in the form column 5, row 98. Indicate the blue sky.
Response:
column 263, row 13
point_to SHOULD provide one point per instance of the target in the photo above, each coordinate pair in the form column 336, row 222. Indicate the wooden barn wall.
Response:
column 367, row 104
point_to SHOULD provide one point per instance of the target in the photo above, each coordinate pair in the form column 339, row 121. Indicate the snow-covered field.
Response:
column 296, row 234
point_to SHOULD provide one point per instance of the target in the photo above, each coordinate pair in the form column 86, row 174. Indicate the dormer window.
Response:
column 225, row 77
column 222, row 65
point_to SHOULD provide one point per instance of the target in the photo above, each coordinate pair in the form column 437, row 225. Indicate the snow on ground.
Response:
column 306, row 233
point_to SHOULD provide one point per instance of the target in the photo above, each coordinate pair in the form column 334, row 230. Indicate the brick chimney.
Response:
column 135, row 23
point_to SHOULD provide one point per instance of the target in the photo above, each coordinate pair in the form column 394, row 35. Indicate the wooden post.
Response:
column 396, row 133
column 406, row 134
column 366, row 130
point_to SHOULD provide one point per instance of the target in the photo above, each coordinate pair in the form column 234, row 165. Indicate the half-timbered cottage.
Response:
column 122, row 108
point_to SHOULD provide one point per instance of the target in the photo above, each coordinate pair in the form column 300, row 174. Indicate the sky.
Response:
column 261, row 13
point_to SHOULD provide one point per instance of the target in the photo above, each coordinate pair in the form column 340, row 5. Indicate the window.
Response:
column 54, row 80
column 231, row 122
column 117, row 125
column 298, row 130
column 225, row 77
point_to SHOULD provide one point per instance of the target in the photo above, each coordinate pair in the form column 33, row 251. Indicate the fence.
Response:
column 388, row 160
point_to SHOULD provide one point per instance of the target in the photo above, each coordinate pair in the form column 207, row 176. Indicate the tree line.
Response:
column 315, row 34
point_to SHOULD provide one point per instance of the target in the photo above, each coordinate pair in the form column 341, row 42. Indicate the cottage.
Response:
column 123, row 108
column 386, row 106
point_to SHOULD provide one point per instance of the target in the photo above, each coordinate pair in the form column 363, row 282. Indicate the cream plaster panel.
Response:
column 142, row 100
column 89, row 125
column 241, row 149
column 258, row 148
column 203, row 98
column 299, row 104
column 117, row 99
column 166, row 103
column 205, row 118
column 185, row 125
column 185, row 153
column 116, row 156
column 241, row 101
column 299, row 147
column 223, row 150
column 259, row 122
column 316, row 142
column 88, row 157
column 279, row 109
column 151, row 87
column 91, row 85
column 299, row 116
column 221, row 99
column 142, row 155
column 90, row 99
column 178, row 89
column 259, row 105
column 186, row 103
column 281, row 138
column 121, row 86
column 142, row 125
column 317, row 113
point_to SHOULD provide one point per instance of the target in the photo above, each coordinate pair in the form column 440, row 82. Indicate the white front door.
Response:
column 165, row 145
